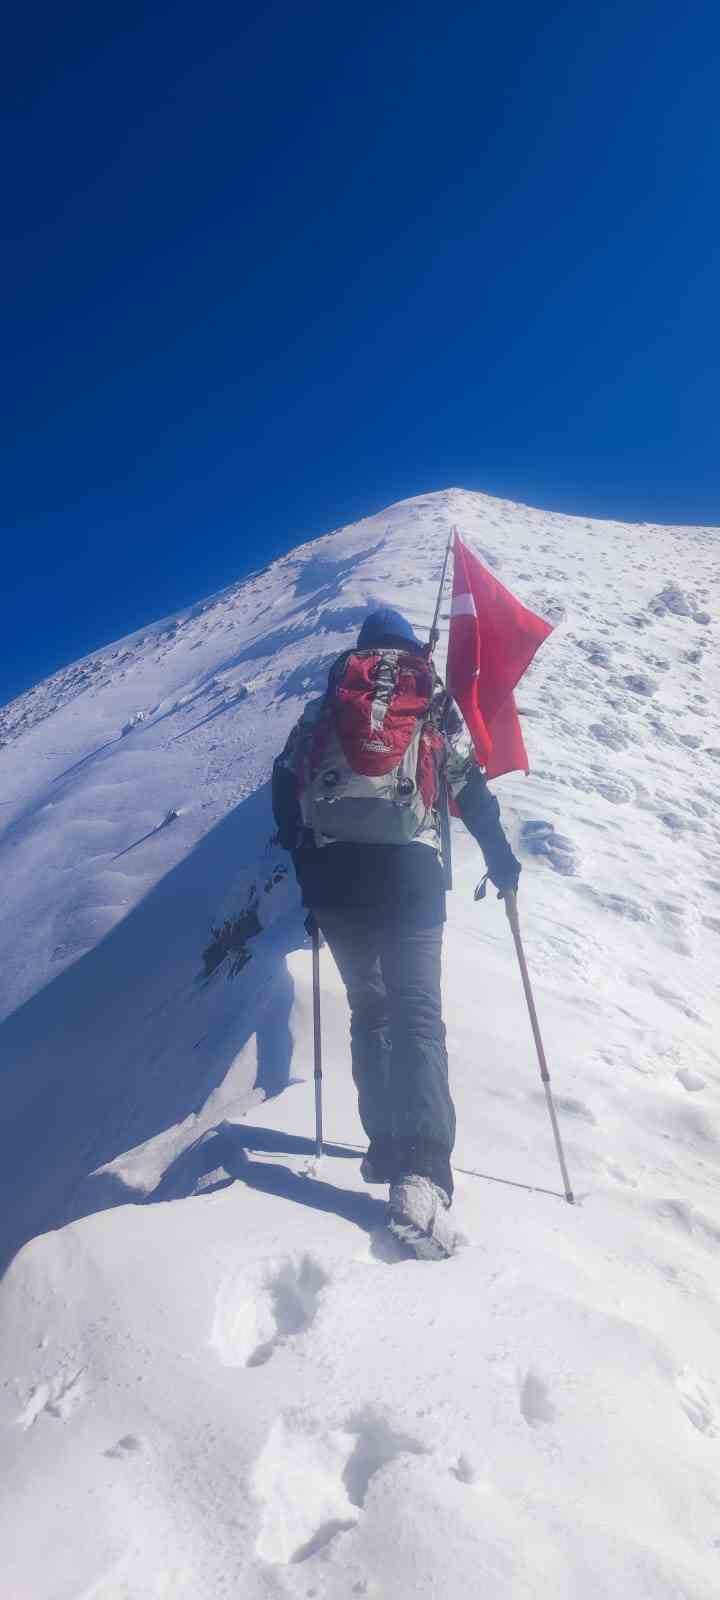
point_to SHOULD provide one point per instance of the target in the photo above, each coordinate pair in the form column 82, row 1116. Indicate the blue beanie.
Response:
column 386, row 626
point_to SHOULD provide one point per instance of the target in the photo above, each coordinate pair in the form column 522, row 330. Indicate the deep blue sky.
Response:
column 269, row 267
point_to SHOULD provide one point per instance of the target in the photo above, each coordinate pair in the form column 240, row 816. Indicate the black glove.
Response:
column 505, row 874
column 507, row 879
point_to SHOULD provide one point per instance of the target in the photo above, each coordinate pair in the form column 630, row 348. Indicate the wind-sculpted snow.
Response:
column 221, row 1376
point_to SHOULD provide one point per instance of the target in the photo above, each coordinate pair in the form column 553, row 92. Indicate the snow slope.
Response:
column 218, row 1379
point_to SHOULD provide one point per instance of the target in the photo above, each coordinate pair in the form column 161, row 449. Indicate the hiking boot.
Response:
column 418, row 1217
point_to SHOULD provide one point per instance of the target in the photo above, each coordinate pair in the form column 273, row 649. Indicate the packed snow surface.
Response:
column 219, row 1376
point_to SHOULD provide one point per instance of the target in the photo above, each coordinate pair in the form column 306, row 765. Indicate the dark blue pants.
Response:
column 393, row 980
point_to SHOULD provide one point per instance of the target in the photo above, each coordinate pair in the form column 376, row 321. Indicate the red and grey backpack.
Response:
column 371, row 750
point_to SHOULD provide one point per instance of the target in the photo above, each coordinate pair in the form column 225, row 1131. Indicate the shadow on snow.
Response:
column 222, row 1155
column 106, row 1057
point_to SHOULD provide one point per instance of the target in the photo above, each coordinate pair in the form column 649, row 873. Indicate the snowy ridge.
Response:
column 218, row 1378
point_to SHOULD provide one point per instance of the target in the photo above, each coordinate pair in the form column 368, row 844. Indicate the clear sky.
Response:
column 269, row 267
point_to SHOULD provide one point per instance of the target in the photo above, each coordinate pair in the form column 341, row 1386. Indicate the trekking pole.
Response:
column 514, row 920
column 314, row 932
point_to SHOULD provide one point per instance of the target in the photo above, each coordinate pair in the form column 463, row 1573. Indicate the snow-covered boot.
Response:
column 418, row 1216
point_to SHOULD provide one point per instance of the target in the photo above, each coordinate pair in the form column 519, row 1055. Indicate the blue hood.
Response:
column 387, row 627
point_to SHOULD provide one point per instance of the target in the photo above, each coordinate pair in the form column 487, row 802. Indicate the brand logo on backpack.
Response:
column 372, row 767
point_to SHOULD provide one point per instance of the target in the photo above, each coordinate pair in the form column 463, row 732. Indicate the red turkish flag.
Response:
column 493, row 639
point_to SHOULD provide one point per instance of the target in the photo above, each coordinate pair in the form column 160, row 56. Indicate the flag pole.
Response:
column 435, row 631
column 444, row 807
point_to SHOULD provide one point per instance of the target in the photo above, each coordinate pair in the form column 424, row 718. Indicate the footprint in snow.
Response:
column 311, row 1484
column 574, row 1108
column 679, row 1212
column 690, row 1080
column 620, row 904
column 639, row 683
column 535, row 1403
column 610, row 734
column 688, row 1219
column 676, row 824
column 617, row 791
column 672, row 599
column 127, row 1446
column 540, row 839
column 465, row 1470
column 258, row 1311
column 56, row 1396
column 597, row 654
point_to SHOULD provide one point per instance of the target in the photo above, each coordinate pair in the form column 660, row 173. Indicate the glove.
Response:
column 506, row 880
column 505, row 875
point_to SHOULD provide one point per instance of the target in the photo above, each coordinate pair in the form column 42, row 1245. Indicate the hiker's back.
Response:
column 369, row 754
column 357, row 789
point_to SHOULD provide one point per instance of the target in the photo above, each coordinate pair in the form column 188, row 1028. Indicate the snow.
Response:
column 220, row 1377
